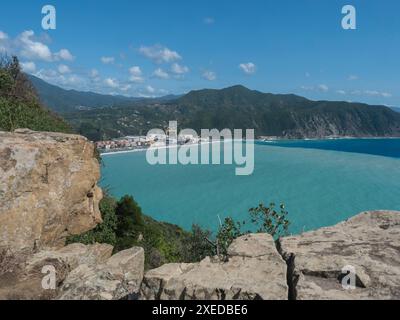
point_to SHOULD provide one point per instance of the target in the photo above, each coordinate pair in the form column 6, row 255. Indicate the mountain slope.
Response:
column 63, row 101
column 287, row 116
column 19, row 104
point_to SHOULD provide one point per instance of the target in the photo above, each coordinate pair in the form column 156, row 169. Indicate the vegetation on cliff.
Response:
column 19, row 103
column 124, row 226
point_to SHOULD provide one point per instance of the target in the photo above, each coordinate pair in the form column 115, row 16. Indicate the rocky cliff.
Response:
column 48, row 191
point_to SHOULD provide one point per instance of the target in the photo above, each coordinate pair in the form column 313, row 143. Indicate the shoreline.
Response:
column 255, row 141
column 157, row 148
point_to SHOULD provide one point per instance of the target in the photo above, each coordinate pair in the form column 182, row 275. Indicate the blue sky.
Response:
column 153, row 48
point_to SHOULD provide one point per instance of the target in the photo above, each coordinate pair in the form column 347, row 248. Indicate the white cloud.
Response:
column 126, row 87
column 179, row 69
column 94, row 73
column 248, row 68
column 163, row 91
column 341, row 92
column 64, row 54
column 33, row 49
column 160, row 73
column 323, row 87
column 209, row 20
column 150, row 89
column 136, row 74
column 372, row 93
column 107, row 60
column 352, row 77
column 209, row 75
column 3, row 35
column 64, row 80
column 159, row 54
column 74, row 80
column 28, row 67
column 63, row 69
column 378, row 93
column 112, row 83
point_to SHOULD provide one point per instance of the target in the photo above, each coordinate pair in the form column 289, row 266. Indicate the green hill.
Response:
column 19, row 103
column 287, row 116
column 64, row 101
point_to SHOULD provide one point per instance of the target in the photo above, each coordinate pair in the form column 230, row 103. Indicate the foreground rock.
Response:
column 255, row 270
column 48, row 189
column 24, row 276
column 81, row 273
column 369, row 242
column 118, row 278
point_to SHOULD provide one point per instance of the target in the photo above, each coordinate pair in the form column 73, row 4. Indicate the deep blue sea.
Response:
column 321, row 183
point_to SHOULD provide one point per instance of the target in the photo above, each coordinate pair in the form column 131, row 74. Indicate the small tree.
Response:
column 268, row 220
column 130, row 216
column 227, row 232
column 198, row 245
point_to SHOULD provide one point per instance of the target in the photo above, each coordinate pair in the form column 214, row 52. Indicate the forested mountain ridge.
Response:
column 286, row 116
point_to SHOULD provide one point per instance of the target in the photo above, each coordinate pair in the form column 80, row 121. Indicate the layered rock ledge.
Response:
column 368, row 242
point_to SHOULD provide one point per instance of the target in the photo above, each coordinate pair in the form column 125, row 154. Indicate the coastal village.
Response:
column 144, row 142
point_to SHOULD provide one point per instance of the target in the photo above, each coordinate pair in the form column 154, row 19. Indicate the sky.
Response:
column 158, row 47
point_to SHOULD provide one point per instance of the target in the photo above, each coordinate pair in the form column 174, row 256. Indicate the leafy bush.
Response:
column 264, row 219
column 227, row 232
column 198, row 245
column 270, row 221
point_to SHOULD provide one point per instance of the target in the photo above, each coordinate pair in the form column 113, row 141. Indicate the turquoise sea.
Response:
column 321, row 183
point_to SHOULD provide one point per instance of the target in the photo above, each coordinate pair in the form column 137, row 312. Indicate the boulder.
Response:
column 367, row 244
column 119, row 277
column 23, row 278
column 254, row 270
column 71, row 256
column 48, row 189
